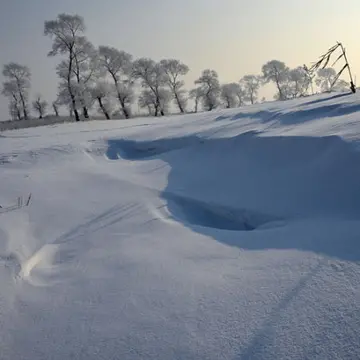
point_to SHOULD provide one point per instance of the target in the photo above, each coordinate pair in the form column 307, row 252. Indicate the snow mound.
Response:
column 231, row 234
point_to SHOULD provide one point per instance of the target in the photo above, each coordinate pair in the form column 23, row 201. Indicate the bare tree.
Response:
column 66, row 32
column 229, row 94
column 209, row 83
column 118, row 64
column 173, row 70
column 152, row 77
column 251, row 85
column 277, row 72
column 18, row 85
column 40, row 106
column 196, row 94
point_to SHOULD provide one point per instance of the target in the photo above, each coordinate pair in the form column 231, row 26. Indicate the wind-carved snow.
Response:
column 132, row 150
column 216, row 216
column 232, row 234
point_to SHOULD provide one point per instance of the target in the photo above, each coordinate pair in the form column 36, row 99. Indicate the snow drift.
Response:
column 232, row 234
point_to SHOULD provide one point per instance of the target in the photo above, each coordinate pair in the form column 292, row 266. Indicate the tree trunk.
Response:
column 210, row 103
column 18, row 112
column 121, row 100
column 281, row 96
column 252, row 97
column 85, row 112
column 126, row 112
column 22, row 102
column 159, row 107
column 179, row 103
column 103, row 108
column 123, row 107
column 40, row 111
column 196, row 105
column 72, row 96
column 76, row 113
column 56, row 110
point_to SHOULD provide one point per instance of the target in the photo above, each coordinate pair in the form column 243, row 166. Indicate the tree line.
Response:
column 110, row 79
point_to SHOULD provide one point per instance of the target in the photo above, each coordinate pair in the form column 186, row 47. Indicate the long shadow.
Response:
column 258, row 347
column 326, row 99
column 246, row 191
column 299, row 115
column 335, row 110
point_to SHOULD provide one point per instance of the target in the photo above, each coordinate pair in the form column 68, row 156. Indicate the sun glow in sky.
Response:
column 233, row 37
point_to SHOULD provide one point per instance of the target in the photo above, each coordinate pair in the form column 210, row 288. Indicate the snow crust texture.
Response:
column 232, row 234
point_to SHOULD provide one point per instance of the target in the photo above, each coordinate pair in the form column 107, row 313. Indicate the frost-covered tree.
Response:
column 55, row 107
column 147, row 100
column 82, row 76
column 298, row 83
column 118, row 65
column 153, row 78
column 251, row 85
column 277, row 72
column 84, row 71
column 325, row 79
column 66, row 31
column 70, row 101
column 174, row 69
column 16, row 88
column 101, row 93
column 210, row 86
column 40, row 106
column 341, row 85
column 241, row 95
column 196, row 94
column 229, row 94
column 165, row 100
column 14, row 110
column 10, row 91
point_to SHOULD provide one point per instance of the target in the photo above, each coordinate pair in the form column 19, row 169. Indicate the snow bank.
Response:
column 225, row 235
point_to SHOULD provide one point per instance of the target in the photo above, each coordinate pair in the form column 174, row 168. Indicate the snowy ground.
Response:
column 225, row 235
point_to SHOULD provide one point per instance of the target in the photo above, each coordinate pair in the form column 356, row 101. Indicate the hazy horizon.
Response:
column 233, row 37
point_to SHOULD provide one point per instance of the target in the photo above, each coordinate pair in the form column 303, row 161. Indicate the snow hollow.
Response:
column 232, row 234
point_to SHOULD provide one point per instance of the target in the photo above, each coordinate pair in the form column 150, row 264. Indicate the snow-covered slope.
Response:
column 225, row 235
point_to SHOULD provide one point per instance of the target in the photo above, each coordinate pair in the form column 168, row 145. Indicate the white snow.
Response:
column 232, row 234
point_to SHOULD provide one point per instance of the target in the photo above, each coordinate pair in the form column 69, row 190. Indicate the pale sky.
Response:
column 233, row 37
